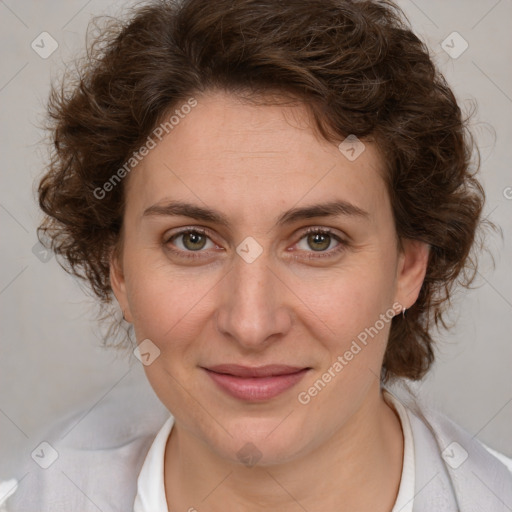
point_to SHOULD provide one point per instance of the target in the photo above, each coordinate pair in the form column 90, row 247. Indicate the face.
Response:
column 262, row 264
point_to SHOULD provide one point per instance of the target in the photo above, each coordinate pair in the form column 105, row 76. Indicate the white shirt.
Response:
column 117, row 451
column 151, row 489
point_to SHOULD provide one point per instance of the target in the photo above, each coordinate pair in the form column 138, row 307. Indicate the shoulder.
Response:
column 506, row 461
column 451, row 461
column 457, row 443
column 89, row 459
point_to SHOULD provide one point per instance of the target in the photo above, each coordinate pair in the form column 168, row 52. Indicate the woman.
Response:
column 278, row 197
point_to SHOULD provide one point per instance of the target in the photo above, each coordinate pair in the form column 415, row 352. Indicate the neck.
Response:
column 357, row 468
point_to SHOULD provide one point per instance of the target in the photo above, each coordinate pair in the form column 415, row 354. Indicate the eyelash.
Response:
column 342, row 244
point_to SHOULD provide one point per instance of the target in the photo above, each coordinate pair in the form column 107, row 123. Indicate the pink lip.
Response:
column 255, row 384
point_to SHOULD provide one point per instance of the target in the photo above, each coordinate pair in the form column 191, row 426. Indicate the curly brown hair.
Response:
column 358, row 68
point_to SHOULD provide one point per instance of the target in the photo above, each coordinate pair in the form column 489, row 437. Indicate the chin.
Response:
column 260, row 442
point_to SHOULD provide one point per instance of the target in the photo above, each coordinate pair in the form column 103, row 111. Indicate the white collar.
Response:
column 151, row 488
column 150, row 483
column 404, row 500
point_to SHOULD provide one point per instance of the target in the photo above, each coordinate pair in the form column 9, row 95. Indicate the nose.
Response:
column 253, row 310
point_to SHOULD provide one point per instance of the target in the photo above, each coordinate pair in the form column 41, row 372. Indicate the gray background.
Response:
column 50, row 355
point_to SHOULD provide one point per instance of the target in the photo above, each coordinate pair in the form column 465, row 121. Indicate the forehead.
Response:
column 236, row 154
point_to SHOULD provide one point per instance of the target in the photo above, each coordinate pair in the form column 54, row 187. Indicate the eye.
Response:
column 315, row 242
column 190, row 240
column 322, row 241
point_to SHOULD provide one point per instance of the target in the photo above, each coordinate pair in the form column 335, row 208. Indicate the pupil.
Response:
column 321, row 240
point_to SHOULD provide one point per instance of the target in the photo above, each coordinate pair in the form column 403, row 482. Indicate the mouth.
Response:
column 255, row 384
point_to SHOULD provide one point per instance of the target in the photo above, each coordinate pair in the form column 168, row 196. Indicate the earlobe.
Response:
column 118, row 285
column 411, row 271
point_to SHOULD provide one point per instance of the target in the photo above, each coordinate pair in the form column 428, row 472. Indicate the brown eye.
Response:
column 319, row 241
column 193, row 241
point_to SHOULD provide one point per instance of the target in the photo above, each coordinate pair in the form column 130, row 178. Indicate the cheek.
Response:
column 355, row 309
column 171, row 311
column 163, row 304
column 350, row 299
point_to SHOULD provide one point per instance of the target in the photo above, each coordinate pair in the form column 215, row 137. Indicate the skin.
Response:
column 292, row 305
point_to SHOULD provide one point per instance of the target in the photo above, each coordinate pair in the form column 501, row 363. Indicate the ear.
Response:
column 412, row 267
column 118, row 285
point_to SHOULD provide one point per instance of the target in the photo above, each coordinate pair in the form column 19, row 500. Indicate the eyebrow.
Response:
column 329, row 209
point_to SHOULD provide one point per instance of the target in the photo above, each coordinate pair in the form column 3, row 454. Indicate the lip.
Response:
column 255, row 384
